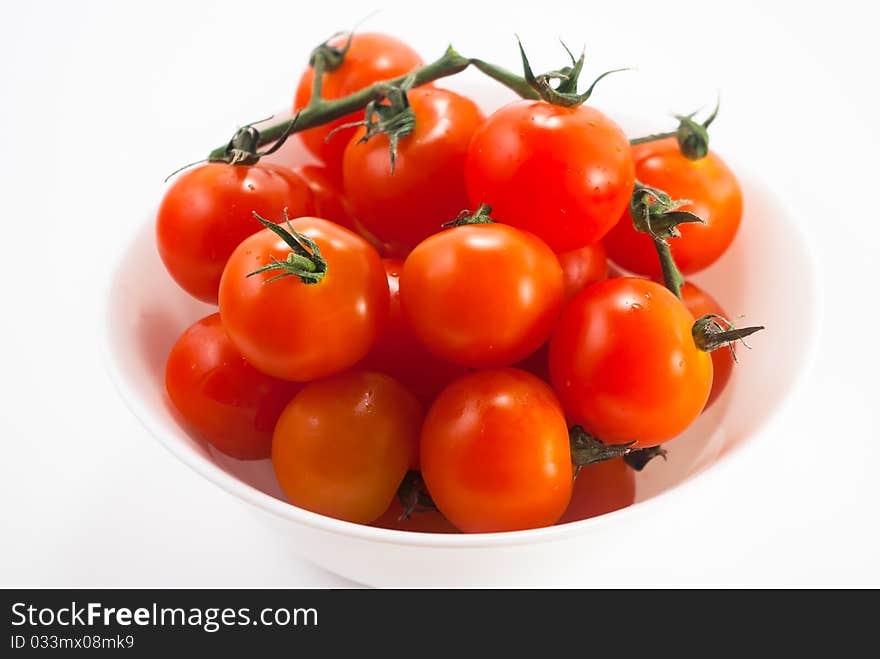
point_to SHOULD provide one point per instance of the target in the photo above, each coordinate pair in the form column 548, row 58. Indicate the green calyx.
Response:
column 712, row 331
column 388, row 114
column 304, row 261
column 243, row 148
column 560, row 87
column 465, row 217
column 587, row 449
column 692, row 136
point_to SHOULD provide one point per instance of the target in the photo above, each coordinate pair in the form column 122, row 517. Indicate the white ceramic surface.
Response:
column 767, row 273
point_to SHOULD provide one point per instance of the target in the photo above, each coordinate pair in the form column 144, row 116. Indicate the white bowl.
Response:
column 767, row 273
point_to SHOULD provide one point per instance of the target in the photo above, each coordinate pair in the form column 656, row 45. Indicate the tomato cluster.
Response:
column 420, row 330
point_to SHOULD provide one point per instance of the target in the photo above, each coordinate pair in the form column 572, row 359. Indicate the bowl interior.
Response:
column 767, row 274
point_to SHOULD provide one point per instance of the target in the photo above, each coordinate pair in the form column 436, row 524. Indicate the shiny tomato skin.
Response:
column 372, row 57
column 716, row 197
column 495, row 452
column 427, row 186
column 601, row 488
column 223, row 399
column 400, row 354
column 582, row 267
column 625, row 365
column 482, row 295
column 297, row 331
column 565, row 174
column 700, row 303
column 208, row 210
column 344, row 443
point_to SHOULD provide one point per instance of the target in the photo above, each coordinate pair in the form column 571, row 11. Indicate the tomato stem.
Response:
column 515, row 83
column 713, row 331
column 672, row 277
column 326, row 111
column 304, row 261
column 640, row 457
column 587, row 449
column 693, row 137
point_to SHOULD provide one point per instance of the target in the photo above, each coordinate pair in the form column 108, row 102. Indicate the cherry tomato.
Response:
column 343, row 444
column 401, row 355
column 223, row 399
column 482, row 294
column 716, row 197
column 207, row 212
column 601, row 488
column 495, row 452
column 427, row 187
column 625, row 365
column 330, row 202
column 371, row 58
column 565, row 174
column 582, row 267
column 429, row 521
column 700, row 303
column 298, row 331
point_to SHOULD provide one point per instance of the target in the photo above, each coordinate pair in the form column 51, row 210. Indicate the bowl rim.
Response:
column 202, row 465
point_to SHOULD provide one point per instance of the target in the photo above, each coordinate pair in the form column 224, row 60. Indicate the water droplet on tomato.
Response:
column 636, row 306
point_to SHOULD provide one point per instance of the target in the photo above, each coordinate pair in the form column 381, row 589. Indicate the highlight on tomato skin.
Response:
column 599, row 489
column 223, row 399
column 716, row 198
column 207, row 211
column 343, row 444
column 371, row 57
column 625, row 365
column 495, row 452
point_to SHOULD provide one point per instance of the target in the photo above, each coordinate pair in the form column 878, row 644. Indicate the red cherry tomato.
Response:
column 427, row 187
column 330, row 202
column 208, row 210
column 625, row 365
column 298, row 331
column 482, row 294
column 343, row 444
column 371, row 58
column 582, row 267
column 716, row 197
column 565, row 174
column 495, row 452
column 401, row 355
column 700, row 303
column 223, row 399
column 601, row 488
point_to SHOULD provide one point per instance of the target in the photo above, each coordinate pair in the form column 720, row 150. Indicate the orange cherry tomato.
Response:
column 426, row 188
column 482, row 294
column 624, row 363
column 495, row 452
column 372, row 57
column 299, row 331
column 716, row 198
column 344, row 443
column 601, row 488
column 582, row 267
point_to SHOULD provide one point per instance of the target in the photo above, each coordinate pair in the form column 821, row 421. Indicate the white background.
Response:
column 98, row 101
